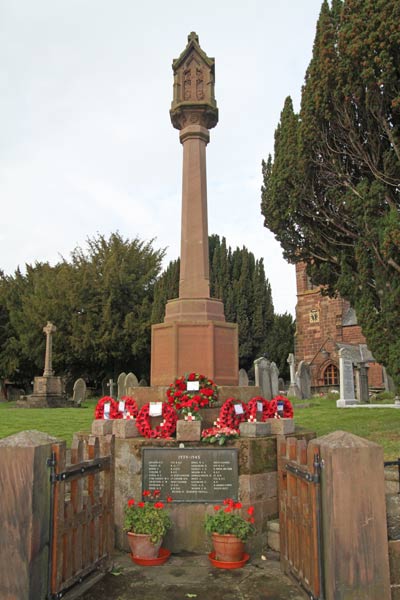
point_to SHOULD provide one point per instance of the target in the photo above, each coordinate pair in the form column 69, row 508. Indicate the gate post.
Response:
column 355, row 557
column 24, row 515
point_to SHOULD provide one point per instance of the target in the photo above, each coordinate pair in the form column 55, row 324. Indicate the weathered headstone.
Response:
column 361, row 372
column 243, row 378
column 79, row 391
column 143, row 383
column 388, row 381
column 347, row 395
column 121, row 385
column 293, row 390
column 130, row 382
column 104, row 386
column 262, row 371
column 303, row 379
column 274, row 379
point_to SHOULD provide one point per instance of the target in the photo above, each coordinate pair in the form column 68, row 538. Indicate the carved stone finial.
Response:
column 194, row 76
column 193, row 36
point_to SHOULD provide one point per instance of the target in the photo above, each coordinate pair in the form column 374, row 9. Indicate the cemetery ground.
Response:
column 319, row 414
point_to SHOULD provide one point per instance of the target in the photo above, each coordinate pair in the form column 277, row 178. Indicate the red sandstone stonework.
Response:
column 320, row 325
column 194, row 335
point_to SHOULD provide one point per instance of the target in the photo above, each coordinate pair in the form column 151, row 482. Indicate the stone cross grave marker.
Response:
column 121, row 383
column 48, row 359
column 346, row 375
column 262, row 371
column 79, row 391
column 243, row 378
column 110, row 386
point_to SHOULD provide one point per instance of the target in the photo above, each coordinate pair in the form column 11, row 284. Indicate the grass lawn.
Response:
column 378, row 425
column 60, row 422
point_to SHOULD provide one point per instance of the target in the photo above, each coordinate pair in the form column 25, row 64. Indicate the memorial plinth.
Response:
column 194, row 335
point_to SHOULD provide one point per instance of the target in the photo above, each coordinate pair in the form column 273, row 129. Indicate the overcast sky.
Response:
column 86, row 143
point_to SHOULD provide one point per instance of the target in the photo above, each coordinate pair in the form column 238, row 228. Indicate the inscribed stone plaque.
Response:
column 191, row 474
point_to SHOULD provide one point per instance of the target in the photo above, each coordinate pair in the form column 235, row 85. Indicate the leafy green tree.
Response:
column 332, row 193
column 100, row 301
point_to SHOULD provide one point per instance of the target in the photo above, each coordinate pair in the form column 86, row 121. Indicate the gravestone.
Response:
column 362, row 382
column 121, row 382
column 262, row 371
column 243, row 378
column 347, row 396
column 303, row 379
column 104, row 386
column 293, row 390
column 79, row 391
column 388, row 381
column 142, row 383
column 131, row 381
column 274, row 371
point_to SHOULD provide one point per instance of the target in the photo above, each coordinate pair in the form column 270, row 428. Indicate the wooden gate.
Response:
column 82, row 527
column 300, row 513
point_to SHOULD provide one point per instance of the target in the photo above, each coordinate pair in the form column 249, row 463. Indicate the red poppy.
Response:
column 140, row 504
column 131, row 502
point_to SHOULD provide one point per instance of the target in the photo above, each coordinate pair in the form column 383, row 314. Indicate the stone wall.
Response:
column 393, row 522
column 257, row 487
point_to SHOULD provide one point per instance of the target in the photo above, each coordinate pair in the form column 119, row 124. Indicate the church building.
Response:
column 324, row 326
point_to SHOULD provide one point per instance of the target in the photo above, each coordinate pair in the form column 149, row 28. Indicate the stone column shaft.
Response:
column 194, row 268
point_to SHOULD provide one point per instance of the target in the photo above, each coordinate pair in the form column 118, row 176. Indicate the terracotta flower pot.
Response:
column 141, row 546
column 228, row 548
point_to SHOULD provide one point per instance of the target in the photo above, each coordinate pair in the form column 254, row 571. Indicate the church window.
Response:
column 331, row 375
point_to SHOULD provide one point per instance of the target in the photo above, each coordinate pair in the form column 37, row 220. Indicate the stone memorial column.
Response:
column 194, row 335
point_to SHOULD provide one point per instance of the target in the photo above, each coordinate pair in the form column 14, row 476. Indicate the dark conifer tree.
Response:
column 332, row 193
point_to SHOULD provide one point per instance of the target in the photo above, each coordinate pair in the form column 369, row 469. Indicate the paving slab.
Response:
column 186, row 576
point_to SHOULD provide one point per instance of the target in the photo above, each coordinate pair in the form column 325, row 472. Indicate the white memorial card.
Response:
column 155, row 409
column 259, row 406
column 193, row 386
column 121, row 406
column 238, row 409
column 106, row 412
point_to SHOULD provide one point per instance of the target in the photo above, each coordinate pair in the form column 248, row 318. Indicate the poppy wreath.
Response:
column 178, row 394
column 228, row 416
column 273, row 408
column 114, row 412
column 164, row 430
column 252, row 408
column 131, row 408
